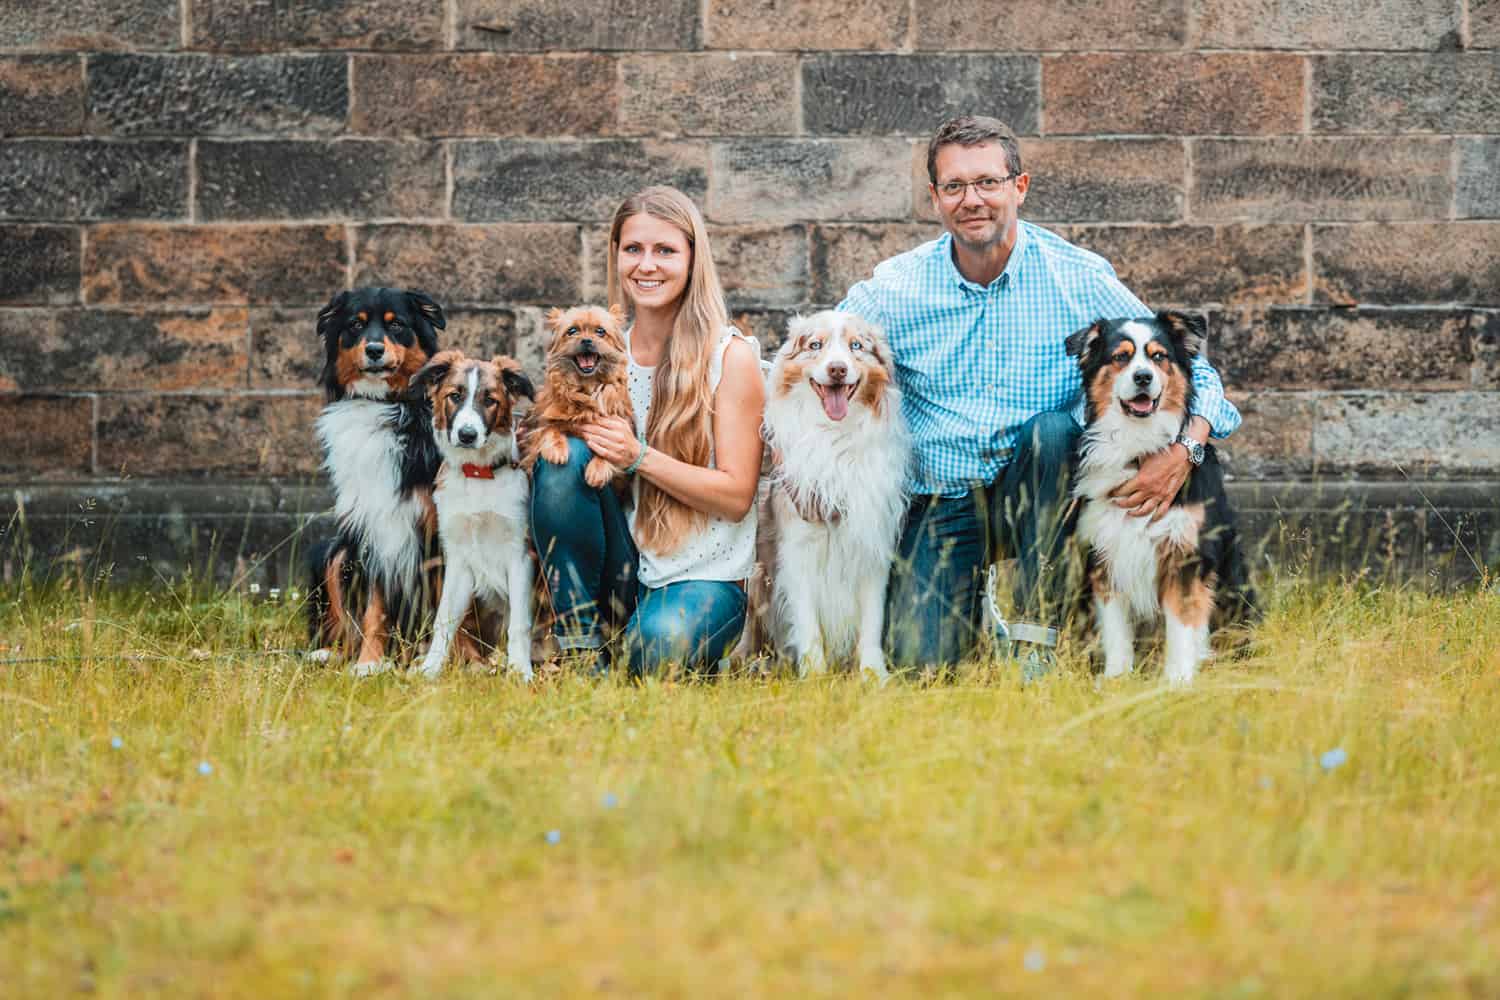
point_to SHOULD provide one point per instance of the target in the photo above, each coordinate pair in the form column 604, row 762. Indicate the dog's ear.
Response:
column 554, row 316
column 1187, row 330
column 618, row 312
column 327, row 314
column 1081, row 343
column 435, row 370
column 513, row 378
column 430, row 310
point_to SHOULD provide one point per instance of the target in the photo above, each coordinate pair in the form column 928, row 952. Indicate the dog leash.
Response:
column 1013, row 631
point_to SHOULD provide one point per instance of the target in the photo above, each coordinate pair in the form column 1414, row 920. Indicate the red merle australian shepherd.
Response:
column 370, row 580
column 1186, row 563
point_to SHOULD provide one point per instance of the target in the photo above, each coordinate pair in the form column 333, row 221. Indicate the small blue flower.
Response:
column 116, row 742
column 204, row 767
column 554, row 836
column 1035, row 961
column 610, row 800
column 1333, row 758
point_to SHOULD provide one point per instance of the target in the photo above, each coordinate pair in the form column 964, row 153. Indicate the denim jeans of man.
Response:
column 589, row 563
column 933, row 611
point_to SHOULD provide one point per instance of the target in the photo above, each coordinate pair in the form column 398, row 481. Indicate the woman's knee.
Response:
column 552, row 486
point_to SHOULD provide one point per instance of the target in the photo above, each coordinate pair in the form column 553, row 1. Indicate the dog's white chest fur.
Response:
column 482, row 523
column 363, row 457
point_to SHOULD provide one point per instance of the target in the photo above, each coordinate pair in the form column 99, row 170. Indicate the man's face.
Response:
column 977, row 219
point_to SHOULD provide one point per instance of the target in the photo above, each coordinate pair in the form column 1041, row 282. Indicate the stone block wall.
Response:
column 184, row 182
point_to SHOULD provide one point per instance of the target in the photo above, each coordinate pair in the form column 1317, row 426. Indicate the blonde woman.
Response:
column 673, row 565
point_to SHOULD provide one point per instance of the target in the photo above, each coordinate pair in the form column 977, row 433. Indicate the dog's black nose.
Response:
column 467, row 436
column 374, row 351
column 838, row 372
column 586, row 346
column 1143, row 378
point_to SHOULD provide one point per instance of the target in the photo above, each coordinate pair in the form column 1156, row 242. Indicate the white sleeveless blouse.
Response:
column 723, row 550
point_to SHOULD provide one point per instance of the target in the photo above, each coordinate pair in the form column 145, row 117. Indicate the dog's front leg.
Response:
column 518, row 628
column 871, row 624
column 371, row 659
column 1116, row 633
column 1187, row 607
column 458, row 592
column 794, row 599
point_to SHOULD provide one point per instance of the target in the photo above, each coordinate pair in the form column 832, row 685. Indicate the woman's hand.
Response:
column 613, row 439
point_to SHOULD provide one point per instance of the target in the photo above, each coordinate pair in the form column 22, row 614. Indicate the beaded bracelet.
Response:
column 630, row 469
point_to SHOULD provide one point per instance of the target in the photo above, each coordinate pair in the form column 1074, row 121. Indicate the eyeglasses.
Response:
column 984, row 186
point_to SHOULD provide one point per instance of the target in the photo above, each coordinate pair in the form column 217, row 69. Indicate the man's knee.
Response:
column 1050, row 435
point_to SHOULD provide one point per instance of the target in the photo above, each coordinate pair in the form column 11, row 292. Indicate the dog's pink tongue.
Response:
column 836, row 402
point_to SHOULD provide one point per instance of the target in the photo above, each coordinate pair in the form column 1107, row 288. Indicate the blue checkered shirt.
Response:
column 976, row 362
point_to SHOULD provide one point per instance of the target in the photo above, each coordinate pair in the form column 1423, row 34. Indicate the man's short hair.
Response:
column 973, row 130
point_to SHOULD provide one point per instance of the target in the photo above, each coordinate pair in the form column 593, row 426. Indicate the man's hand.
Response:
column 612, row 439
column 1151, row 490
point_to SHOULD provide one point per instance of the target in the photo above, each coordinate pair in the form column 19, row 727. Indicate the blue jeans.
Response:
column 933, row 615
column 590, row 564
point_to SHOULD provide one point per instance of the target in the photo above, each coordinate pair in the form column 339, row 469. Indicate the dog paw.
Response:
column 597, row 472
column 371, row 668
column 318, row 655
column 554, row 448
column 874, row 668
column 428, row 670
column 811, row 664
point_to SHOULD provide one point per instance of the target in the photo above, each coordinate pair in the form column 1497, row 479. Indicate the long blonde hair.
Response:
column 680, row 422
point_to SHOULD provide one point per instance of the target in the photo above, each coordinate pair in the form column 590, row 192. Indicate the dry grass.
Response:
column 390, row 837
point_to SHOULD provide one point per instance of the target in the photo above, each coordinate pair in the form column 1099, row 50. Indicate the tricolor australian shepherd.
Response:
column 371, row 578
column 837, row 494
column 1185, row 564
column 482, row 496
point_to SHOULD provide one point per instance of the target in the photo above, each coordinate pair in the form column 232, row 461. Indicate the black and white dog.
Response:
column 1187, row 562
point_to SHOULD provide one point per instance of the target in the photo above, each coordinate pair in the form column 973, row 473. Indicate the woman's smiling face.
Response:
column 654, row 260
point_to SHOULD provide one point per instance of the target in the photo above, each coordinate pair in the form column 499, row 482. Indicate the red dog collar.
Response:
column 472, row 471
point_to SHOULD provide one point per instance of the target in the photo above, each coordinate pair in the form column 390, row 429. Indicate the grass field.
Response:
column 186, row 811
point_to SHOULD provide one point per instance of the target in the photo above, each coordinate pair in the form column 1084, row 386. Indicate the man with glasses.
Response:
column 976, row 321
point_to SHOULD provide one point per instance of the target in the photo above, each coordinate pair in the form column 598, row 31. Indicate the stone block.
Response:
column 258, row 26
column 1104, row 180
column 761, row 266
column 792, row 180
column 1484, row 345
column 1324, row 24
column 109, row 350
column 90, row 25
column 340, row 179
column 1173, row 94
column 768, row 326
column 41, row 95
column 191, row 436
column 232, row 265
column 285, row 350
column 1478, row 194
column 784, row 24
column 1440, row 433
column 708, row 94
column 481, row 93
column 564, row 180
column 91, row 179
column 564, row 25
column 1321, row 179
column 521, row 332
column 1322, row 349
column 1484, row 24
column 1432, row 92
column 842, row 255
column 39, row 265
column 1197, row 266
column 1408, row 263
column 1043, row 25
column 860, row 94
column 198, row 95
column 1276, row 437
column 46, row 436
column 495, row 264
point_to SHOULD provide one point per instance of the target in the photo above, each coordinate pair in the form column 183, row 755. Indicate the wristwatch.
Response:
column 1194, row 449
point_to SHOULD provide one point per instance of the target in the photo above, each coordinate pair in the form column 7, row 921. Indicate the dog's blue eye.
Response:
column 855, row 345
column 816, row 345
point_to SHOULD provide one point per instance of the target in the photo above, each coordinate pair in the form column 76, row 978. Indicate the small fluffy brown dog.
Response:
column 586, row 379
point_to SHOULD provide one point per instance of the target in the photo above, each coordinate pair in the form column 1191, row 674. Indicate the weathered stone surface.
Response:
column 791, row 180
column 525, row 180
column 1188, row 94
column 39, row 265
column 258, row 26
column 82, row 349
column 45, row 436
column 785, row 24
column 159, row 265
column 90, row 25
column 1031, row 25
column 1444, row 433
column 1484, row 345
column 1484, row 24
column 285, row 351
column 595, row 274
column 844, row 255
column 859, row 94
column 708, row 94
column 41, row 95
column 1202, row 265
column 1276, row 438
column 482, row 93
column 91, row 179
column 1324, row 24
column 217, row 95
column 1322, row 179
column 473, row 264
column 484, row 333
column 539, row 25
column 766, row 325
column 233, row 434
column 761, row 266
column 1478, row 194
column 1433, row 92
column 1103, row 180
column 1396, row 264
column 340, row 179
column 1342, row 349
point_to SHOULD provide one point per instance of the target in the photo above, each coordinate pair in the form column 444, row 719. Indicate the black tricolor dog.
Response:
column 381, row 461
column 1186, row 563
